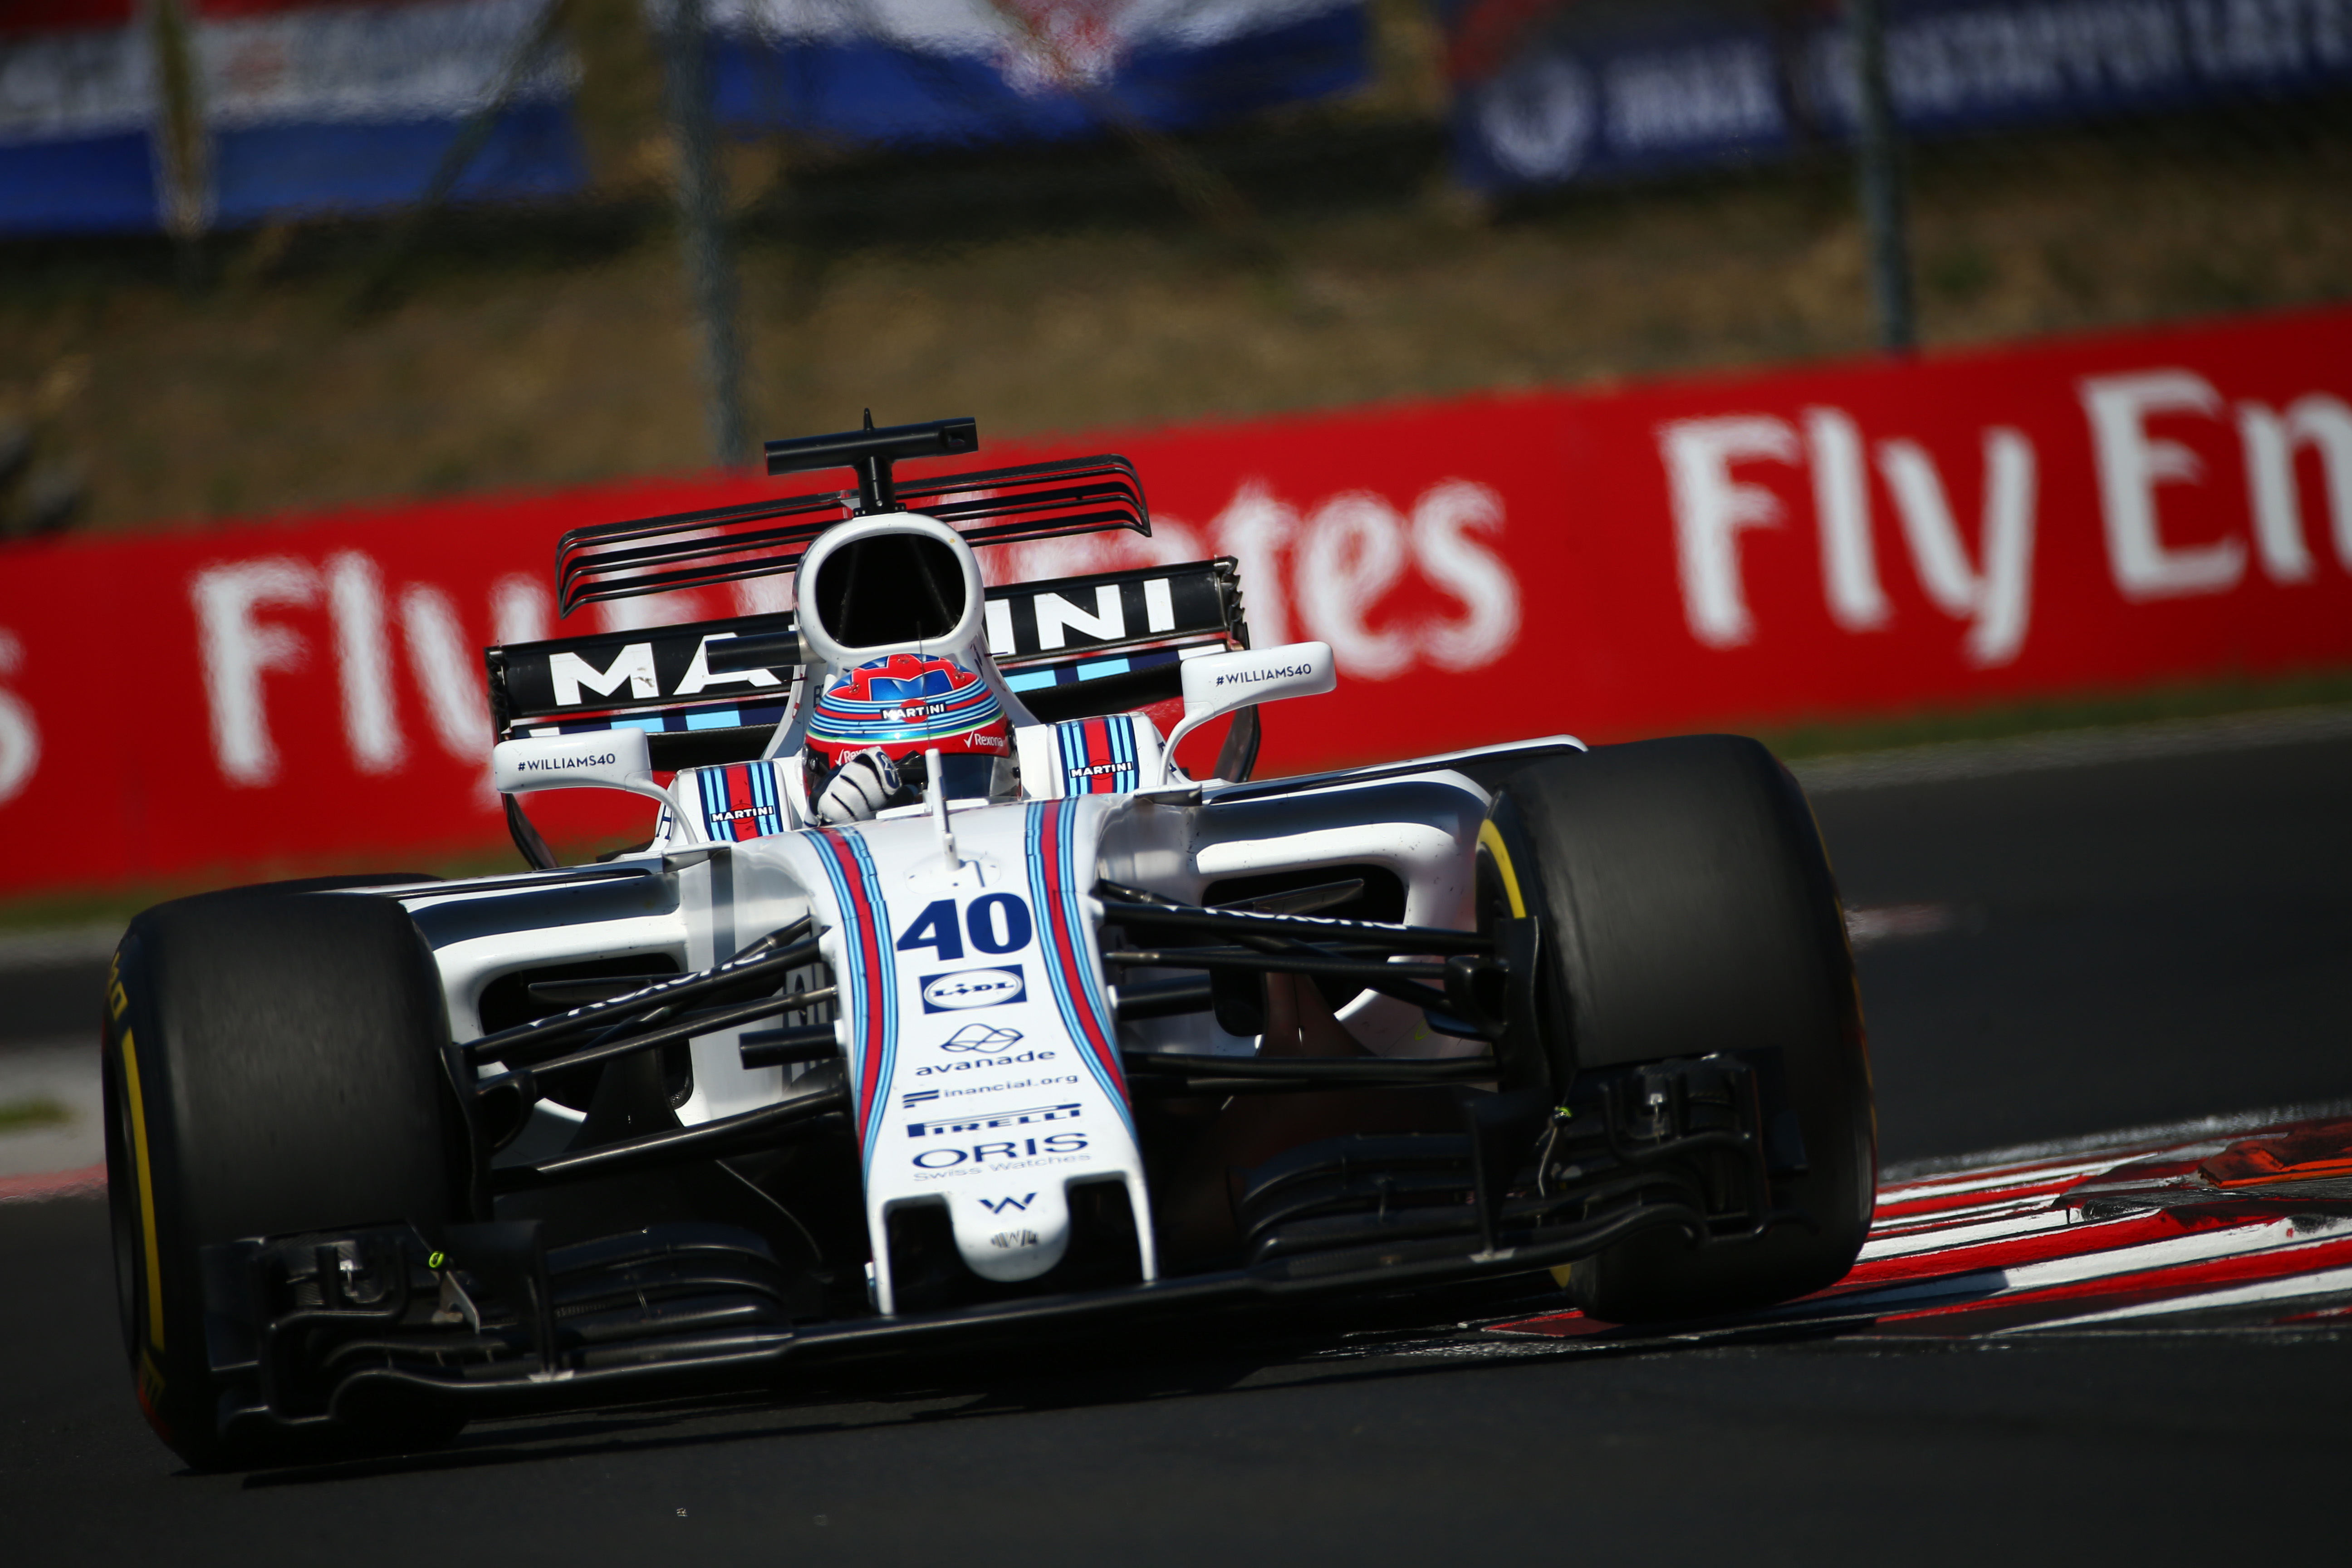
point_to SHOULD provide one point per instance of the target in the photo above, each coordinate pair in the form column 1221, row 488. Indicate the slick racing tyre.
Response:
column 1686, row 907
column 273, row 1063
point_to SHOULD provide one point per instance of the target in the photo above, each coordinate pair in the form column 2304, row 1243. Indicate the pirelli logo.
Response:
column 993, row 1121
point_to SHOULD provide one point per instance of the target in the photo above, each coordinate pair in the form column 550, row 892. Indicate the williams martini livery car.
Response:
column 942, row 1006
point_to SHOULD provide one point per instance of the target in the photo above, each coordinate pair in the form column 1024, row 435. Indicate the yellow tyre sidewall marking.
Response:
column 146, row 1193
column 1490, row 839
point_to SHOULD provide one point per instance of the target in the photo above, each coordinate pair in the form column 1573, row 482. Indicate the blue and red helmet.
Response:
column 911, row 702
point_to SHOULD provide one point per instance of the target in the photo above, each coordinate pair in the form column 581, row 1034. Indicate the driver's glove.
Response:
column 862, row 785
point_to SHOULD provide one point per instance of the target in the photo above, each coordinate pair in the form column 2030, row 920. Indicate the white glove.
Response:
column 861, row 787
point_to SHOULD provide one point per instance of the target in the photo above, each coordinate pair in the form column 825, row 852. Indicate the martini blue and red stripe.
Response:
column 1057, row 892
column 869, row 971
column 742, row 801
column 1098, row 756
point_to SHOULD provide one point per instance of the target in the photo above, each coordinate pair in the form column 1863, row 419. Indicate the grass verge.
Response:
column 32, row 1114
column 1830, row 737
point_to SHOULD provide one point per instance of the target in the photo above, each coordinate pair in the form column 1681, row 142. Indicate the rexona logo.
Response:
column 982, row 1155
column 967, row 988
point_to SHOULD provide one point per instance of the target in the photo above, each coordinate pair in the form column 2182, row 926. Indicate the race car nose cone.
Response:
column 1015, row 1230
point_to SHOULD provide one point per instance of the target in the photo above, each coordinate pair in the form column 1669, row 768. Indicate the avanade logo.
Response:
column 981, row 1038
column 969, row 1064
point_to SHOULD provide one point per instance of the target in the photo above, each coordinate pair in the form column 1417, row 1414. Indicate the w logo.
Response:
column 998, row 1206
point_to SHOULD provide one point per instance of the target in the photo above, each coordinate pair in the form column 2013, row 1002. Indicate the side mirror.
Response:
column 606, row 759
column 1218, row 683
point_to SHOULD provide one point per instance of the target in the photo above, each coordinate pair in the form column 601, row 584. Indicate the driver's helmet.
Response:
column 910, row 703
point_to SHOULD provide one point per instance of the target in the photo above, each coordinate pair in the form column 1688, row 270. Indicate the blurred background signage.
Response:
column 2104, row 512
column 986, row 70
column 120, row 114
column 1554, row 91
column 116, row 115
column 1565, row 365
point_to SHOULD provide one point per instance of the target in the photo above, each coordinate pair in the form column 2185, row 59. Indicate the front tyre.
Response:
column 273, row 1065
column 1687, row 908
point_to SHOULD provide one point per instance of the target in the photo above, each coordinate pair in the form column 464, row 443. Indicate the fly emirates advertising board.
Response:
column 2083, row 515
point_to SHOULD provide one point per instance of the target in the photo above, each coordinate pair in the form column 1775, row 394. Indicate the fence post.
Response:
column 182, row 140
column 1884, row 215
column 702, row 214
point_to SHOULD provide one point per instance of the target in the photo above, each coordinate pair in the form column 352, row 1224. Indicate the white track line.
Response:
column 1943, row 1239
column 2158, row 1137
column 1934, row 1219
column 2293, row 1287
column 1948, row 761
column 65, row 1072
column 58, row 949
column 2001, row 1280
column 2035, row 1173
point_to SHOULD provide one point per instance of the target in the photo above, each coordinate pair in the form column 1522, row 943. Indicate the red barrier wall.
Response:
column 1865, row 537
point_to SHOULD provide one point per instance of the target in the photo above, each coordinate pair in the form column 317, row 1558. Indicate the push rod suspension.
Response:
column 1389, row 979
column 704, row 1141
column 768, row 960
column 1386, row 979
column 1336, row 1072
column 781, row 1047
column 703, row 1021
column 1341, row 1068
column 1363, row 971
column 1165, row 999
column 1132, row 906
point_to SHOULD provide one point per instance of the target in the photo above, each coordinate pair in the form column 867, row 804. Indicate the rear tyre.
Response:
column 273, row 1063
column 1687, row 906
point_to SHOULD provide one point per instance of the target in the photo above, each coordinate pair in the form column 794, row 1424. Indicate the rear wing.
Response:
column 756, row 539
column 1071, row 647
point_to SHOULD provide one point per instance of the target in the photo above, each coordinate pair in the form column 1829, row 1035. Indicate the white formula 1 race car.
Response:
column 942, row 1006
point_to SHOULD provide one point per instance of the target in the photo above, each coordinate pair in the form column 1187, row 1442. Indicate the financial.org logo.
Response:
column 965, row 988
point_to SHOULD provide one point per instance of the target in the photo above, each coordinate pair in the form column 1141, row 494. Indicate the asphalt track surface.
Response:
column 2065, row 951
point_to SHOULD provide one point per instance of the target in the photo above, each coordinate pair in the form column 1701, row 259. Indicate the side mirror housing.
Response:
column 1218, row 683
column 606, row 759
